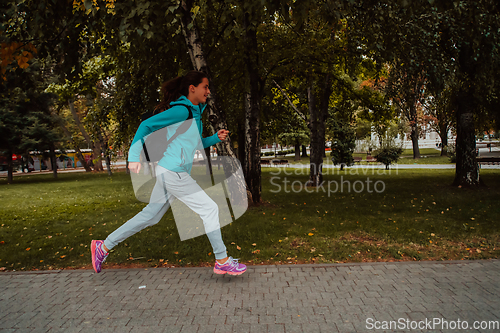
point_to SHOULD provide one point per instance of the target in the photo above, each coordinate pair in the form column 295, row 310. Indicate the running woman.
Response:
column 173, row 172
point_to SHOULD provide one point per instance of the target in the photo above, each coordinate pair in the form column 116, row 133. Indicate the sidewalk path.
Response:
column 294, row 298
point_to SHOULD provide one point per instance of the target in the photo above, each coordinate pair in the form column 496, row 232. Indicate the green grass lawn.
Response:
column 48, row 224
column 423, row 152
column 428, row 156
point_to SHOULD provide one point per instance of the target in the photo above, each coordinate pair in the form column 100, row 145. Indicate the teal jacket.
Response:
column 180, row 153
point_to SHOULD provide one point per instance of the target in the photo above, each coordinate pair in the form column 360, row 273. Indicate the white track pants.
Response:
column 170, row 186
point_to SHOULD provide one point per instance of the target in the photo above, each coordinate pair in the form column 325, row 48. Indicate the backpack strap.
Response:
column 180, row 130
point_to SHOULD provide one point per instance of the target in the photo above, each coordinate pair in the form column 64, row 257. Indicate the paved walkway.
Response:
column 295, row 298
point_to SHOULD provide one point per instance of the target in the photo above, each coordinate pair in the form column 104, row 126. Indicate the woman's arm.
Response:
column 220, row 136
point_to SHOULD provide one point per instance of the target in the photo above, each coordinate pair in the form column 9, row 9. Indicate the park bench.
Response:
column 280, row 153
column 281, row 162
column 371, row 159
column 358, row 159
column 487, row 160
column 265, row 162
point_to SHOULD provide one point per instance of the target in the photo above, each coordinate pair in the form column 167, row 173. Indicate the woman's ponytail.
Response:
column 177, row 87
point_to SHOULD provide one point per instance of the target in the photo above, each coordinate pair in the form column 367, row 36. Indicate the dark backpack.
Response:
column 155, row 144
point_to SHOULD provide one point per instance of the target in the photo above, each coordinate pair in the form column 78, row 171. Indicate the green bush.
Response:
column 288, row 151
column 388, row 155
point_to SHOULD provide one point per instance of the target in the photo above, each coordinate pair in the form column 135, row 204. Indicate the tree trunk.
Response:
column 106, row 153
column 24, row 163
column 108, row 165
column 323, row 112
column 53, row 161
column 442, row 128
column 241, row 143
column 215, row 112
column 76, row 118
column 467, row 169
column 127, row 170
column 315, row 172
column 97, row 157
column 10, row 168
column 317, row 121
column 252, row 149
column 297, row 151
column 304, row 151
column 252, row 114
column 414, row 130
column 208, row 169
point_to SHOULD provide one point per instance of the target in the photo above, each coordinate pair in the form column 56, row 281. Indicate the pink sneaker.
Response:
column 231, row 267
column 98, row 254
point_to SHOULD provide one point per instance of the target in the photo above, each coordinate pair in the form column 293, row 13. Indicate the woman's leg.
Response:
column 150, row 215
column 184, row 188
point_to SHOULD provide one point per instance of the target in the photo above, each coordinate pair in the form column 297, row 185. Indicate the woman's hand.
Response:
column 222, row 134
column 135, row 167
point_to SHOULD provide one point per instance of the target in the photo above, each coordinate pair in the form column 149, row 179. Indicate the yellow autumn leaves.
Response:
column 80, row 5
column 15, row 52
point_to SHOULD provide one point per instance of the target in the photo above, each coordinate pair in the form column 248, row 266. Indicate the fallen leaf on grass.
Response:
column 256, row 251
column 238, row 248
column 29, row 248
column 310, row 234
column 254, row 244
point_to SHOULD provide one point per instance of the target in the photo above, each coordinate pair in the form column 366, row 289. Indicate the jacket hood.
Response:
column 186, row 102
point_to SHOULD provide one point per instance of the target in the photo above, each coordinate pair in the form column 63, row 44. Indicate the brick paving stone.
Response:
column 72, row 330
column 295, row 298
